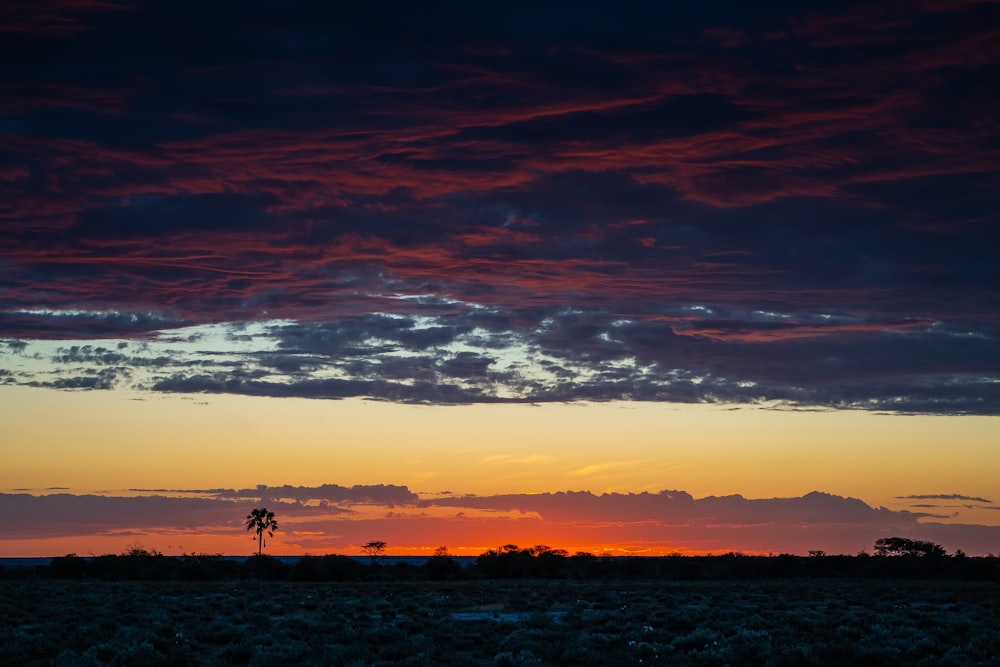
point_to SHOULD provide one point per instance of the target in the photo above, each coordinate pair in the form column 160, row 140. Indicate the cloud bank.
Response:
column 334, row 519
column 773, row 205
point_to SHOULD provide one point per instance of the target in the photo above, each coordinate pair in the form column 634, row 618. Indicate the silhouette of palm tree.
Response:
column 261, row 521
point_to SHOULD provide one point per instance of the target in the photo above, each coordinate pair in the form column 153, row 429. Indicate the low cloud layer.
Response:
column 335, row 519
column 769, row 205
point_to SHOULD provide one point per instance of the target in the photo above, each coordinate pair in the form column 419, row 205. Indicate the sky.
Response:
column 633, row 278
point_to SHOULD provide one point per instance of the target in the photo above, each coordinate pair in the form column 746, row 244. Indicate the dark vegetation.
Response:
column 512, row 606
column 902, row 546
column 772, row 622
column 512, row 562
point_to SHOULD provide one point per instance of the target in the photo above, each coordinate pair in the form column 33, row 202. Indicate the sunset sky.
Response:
column 626, row 277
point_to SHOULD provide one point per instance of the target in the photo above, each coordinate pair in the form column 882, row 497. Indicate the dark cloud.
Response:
column 680, row 507
column 68, row 514
column 104, row 379
column 89, row 354
column 72, row 323
column 945, row 496
column 545, row 203
column 384, row 494
column 156, row 216
column 332, row 517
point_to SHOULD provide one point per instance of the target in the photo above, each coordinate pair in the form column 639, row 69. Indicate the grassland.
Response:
column 767, row 621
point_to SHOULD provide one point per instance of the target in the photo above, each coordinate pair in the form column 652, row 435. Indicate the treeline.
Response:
column 510, row 562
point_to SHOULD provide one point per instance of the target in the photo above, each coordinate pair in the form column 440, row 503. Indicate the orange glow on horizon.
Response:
column 175, row 545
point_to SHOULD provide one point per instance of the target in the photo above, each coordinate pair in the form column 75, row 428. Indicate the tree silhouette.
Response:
column 261, row 521
column 902, row 546
column 375, row 550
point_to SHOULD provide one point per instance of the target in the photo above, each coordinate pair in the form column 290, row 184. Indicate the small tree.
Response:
column 375, row 550
column 261, row 521
column 442, row 566
column 138, row 551
column 902, row 546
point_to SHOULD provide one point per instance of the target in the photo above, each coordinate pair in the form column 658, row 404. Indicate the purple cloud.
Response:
column 333, row 518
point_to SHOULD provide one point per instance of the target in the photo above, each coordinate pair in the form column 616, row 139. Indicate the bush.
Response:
column 263, row 567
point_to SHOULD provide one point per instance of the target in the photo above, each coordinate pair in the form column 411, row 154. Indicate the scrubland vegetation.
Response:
column 512, row 607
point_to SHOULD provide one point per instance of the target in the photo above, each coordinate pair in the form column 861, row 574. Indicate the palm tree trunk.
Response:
column 260, row 542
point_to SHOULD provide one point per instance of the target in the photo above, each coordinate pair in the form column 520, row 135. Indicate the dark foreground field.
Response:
column 489, row 622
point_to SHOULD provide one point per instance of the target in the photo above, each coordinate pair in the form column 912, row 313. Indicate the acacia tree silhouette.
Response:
column 902, row 546
column 261, row 521
column 375, row 550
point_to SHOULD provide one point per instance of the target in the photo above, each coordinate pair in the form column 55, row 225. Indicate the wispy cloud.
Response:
column 946, row 496
column 600, row 467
